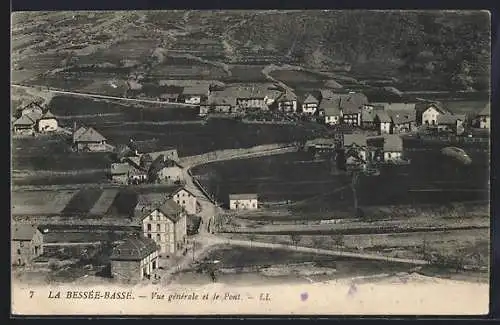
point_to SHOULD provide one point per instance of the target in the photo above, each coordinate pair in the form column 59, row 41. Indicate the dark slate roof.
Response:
column 23, row 232
column 219, row 99
column 331, row 106
column 60, row 235
column 486, row 111
column 144, row 146
column 287, row 96
column 351, row 103
column 24, row 120
column 403, row 116
column 243, row 196
column 310, row 99
column 48, row 116
column 393, row 143
column 84, row 134
column 171, row 210
column 134, row 249
column 358, row 139
column 383, row 116
column 449, row 118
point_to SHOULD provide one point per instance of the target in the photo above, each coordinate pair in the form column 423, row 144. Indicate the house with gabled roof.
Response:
column 383, row 122
column 47, row 123
column 453, row 123
column 310, row 104
column 134, row 259
column 165, row 223
column 355, row 150
column 88, row 139
column 34, row 110
column 26, row 244
column 351, row 106
column 24, row 125
column 330, row 109
column 392, row 148
column 483, row 118
column 245, row 201
column 427, row 112
column 403, row 121
column 287, row 102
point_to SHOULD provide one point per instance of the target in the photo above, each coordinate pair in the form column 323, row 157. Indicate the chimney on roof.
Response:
column 74, row 126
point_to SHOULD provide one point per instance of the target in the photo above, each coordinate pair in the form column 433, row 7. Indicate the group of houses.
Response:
column 33, row 119
column 140, row 167
column 158, row 230
column 331, row 106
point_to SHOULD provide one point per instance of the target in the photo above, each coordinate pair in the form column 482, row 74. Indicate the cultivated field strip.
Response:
column 104, row 202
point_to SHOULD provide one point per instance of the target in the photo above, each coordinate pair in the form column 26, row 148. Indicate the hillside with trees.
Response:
column 441, row 49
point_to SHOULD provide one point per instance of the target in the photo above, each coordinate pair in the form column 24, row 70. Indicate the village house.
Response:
column 88, row 139
column 219, row 103
column 63, row 239
column 392, row 148
column 427, row 113
column 450, row 123
column 351, row 106
column 383, row 122
column 47, row 123
column 134, row 259
column 483, row 118
column 150, row 147
column 165, row 223
column 368, row 121
column 355, row 150
column 26, row 244
column 330, row 109
column 33, row 110
column 287, row 102
column 243, row 202
column 120, row 172
column 253, row 96
column 165, row 171
column 196, row 93
column 403, row 121
column 24, row 126
column 310, row 105
column 185, row 198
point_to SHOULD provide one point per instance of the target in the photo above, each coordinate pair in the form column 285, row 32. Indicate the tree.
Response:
column 295, row 238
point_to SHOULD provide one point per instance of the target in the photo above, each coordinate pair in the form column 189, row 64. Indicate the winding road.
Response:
column 56, row 91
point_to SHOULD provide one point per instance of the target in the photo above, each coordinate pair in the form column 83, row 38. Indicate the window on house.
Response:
column 149, row 227
column 158, row 227
column 149, row 236
column 18, row 251
column 158, row 237
column 253, row 205
column 183, row 202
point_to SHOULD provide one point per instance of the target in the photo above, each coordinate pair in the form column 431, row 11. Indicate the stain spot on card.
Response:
column 304, row 296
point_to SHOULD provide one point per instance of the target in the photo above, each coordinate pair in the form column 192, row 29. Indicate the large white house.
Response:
column 310, row 105
column 431, row 113
column 185, row 199
column 243, row 202
column 166, row 225
column 47, row 123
